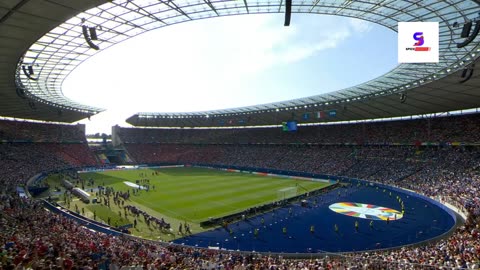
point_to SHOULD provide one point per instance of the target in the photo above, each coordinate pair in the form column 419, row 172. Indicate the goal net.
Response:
column 286, row 193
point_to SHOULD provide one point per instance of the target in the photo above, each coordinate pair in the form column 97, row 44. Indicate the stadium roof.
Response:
column 22, row 23
column 52, row 37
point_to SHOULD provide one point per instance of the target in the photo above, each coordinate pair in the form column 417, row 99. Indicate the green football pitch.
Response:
column 198, row 194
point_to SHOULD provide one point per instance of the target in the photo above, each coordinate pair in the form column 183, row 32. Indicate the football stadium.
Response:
column 381, row 175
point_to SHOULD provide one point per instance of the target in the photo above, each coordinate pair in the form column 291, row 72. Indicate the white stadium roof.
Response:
column 51, row 38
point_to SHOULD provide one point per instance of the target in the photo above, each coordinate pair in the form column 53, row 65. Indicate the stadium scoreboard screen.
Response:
column 289, row 126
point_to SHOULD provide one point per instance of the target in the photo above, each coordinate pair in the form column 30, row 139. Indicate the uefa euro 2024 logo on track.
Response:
column 418, row 36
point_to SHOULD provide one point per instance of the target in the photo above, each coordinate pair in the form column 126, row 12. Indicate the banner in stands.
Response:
column 127, row 167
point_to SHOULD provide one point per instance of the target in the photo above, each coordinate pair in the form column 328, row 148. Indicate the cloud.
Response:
column 299, row 51
column 271, row 45
column 209, row 64
column 360, row 26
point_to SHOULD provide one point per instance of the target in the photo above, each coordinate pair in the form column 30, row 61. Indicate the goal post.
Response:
column 286, row 193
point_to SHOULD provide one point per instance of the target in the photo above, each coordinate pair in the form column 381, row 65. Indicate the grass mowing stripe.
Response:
column 238, row 182
column 103, row 211
column 259, row 189
column 185, row 183
column 164, row 210
column 241, row 193
column 196, row 194
column 227, row 189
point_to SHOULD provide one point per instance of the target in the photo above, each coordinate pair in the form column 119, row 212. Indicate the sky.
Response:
column 229, row 62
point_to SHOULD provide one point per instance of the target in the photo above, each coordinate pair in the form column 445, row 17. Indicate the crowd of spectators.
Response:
column 32, row 237
column 28, row 148
column 40, row 132
column 20, row 161
column 438, row 130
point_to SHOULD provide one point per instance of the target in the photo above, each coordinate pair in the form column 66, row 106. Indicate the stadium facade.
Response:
column 43, row 41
